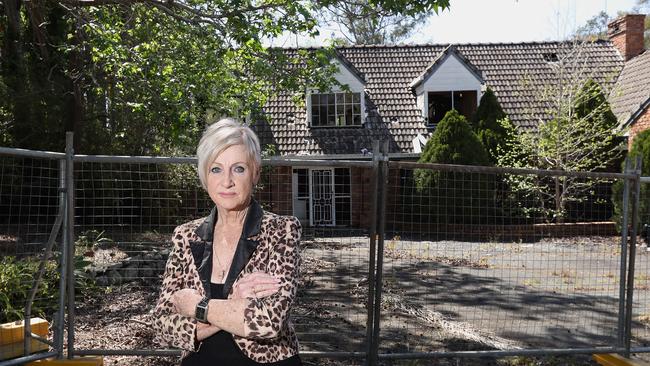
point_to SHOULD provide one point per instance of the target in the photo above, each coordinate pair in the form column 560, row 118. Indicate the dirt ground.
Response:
column 437, row 296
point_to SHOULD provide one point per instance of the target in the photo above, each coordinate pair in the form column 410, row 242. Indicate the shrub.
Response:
column 486, row 125
column 640, row 146
column 455, row 197
column 16, row 277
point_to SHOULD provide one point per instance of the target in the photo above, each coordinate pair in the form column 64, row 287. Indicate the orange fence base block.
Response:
column 79, row 361
column 15, row 331
column 612, row 359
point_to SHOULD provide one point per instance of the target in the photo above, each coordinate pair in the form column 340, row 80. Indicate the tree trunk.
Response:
column 14, row 73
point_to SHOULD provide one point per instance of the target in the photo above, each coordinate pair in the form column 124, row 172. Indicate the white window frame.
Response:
column 311, row 195
column 362, row 109
column 425, row 108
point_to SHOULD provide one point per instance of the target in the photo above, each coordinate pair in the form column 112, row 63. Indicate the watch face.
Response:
column 201, row 312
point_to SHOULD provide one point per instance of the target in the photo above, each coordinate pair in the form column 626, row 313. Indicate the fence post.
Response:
column 623, row 266
column 63, row 270
column 372, row 253
column 382, row 181
column 629, row 299
column 69, row 155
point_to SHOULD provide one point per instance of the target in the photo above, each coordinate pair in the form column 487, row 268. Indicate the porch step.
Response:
column 612, row 359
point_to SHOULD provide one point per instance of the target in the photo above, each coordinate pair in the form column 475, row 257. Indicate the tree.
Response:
column 579, row 137
column 640, row 147
column 366, row 22
column 144, row 76
column 455, row 197
column 485, row 123
column 595, row 27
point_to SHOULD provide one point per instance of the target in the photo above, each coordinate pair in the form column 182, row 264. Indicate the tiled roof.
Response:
column 391, row 104
column 632, row 88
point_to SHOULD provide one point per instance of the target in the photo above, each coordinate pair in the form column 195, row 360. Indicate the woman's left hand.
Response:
column 185, row 301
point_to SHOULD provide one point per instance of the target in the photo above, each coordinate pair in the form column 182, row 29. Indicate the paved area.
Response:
column 447, row 295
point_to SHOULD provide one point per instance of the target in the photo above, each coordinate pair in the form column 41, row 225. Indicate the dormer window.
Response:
column 550, row 57
column 439, row 103
column 336, row 109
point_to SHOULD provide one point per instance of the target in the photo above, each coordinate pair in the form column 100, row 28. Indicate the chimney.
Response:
column 626, row 32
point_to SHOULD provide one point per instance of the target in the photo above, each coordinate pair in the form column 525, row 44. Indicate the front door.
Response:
column 322, row 197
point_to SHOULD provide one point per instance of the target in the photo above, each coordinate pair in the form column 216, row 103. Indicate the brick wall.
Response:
column 641, row 124
column 360, row 190
column 275, row 193
column 626, row 33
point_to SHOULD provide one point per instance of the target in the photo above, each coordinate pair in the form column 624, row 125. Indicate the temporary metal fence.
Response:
column 400, row 260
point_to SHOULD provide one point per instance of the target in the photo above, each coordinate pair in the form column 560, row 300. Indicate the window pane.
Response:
column 356, row 109
column 348, row 114
column 331, row 110
column 315, row 116
column 343, row 211
column 331, row 120
column 323, row 99
column 357, row 120
column 323, row 114
column 348, row 98
column 465, row 102
column 439, row 105
column 356, row 97
column 342, row 181
column 330, row 99
column 314, row 99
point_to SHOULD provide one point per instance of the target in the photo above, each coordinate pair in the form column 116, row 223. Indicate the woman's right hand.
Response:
column 255, row 285
column 204, row 330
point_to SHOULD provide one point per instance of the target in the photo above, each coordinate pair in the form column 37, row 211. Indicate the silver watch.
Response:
column 201, row 312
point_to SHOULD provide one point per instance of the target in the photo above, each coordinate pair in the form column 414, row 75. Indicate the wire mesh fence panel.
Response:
column 479, row 260
column 330, row 312
column 641, row 301
column 29, row 205
column 125, row 214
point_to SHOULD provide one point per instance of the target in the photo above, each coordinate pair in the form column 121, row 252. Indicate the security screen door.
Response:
column 322, row 197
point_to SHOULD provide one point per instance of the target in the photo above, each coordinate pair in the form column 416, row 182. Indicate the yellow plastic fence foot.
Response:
column 612, row 359
column 12, row 336
column 79, row 361
column 14, row 332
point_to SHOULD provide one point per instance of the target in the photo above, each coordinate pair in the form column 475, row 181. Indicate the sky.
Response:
column 485, row 21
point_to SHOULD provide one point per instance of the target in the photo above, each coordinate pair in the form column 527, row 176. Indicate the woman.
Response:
column 231, row 278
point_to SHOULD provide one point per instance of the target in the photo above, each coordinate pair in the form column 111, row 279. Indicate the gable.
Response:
column 346, row 76
column 451, row 73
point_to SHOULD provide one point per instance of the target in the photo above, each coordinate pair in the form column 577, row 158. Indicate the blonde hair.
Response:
column 221, row 135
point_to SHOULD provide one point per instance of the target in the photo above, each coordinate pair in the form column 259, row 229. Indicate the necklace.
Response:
column 221, row 266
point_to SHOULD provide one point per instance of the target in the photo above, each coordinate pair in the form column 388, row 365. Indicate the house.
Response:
column 630, row 98
column 399, row 94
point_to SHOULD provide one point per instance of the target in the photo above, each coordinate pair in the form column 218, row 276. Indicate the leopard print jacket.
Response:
column 268, row 243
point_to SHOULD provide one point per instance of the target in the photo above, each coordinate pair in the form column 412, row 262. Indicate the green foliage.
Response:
column 579, row 138
column 455, row 197
column 16, row 276
column 640, row 147
column 485, row 123
column 364, row 22
column 145, row 77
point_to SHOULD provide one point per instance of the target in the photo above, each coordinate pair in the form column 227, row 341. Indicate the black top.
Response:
column 221, row 349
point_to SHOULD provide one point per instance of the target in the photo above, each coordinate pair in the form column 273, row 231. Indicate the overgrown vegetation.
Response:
column 454, row 197
column 485, row 123
column 640, row 147
column 16, row 276
column 579, row 137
